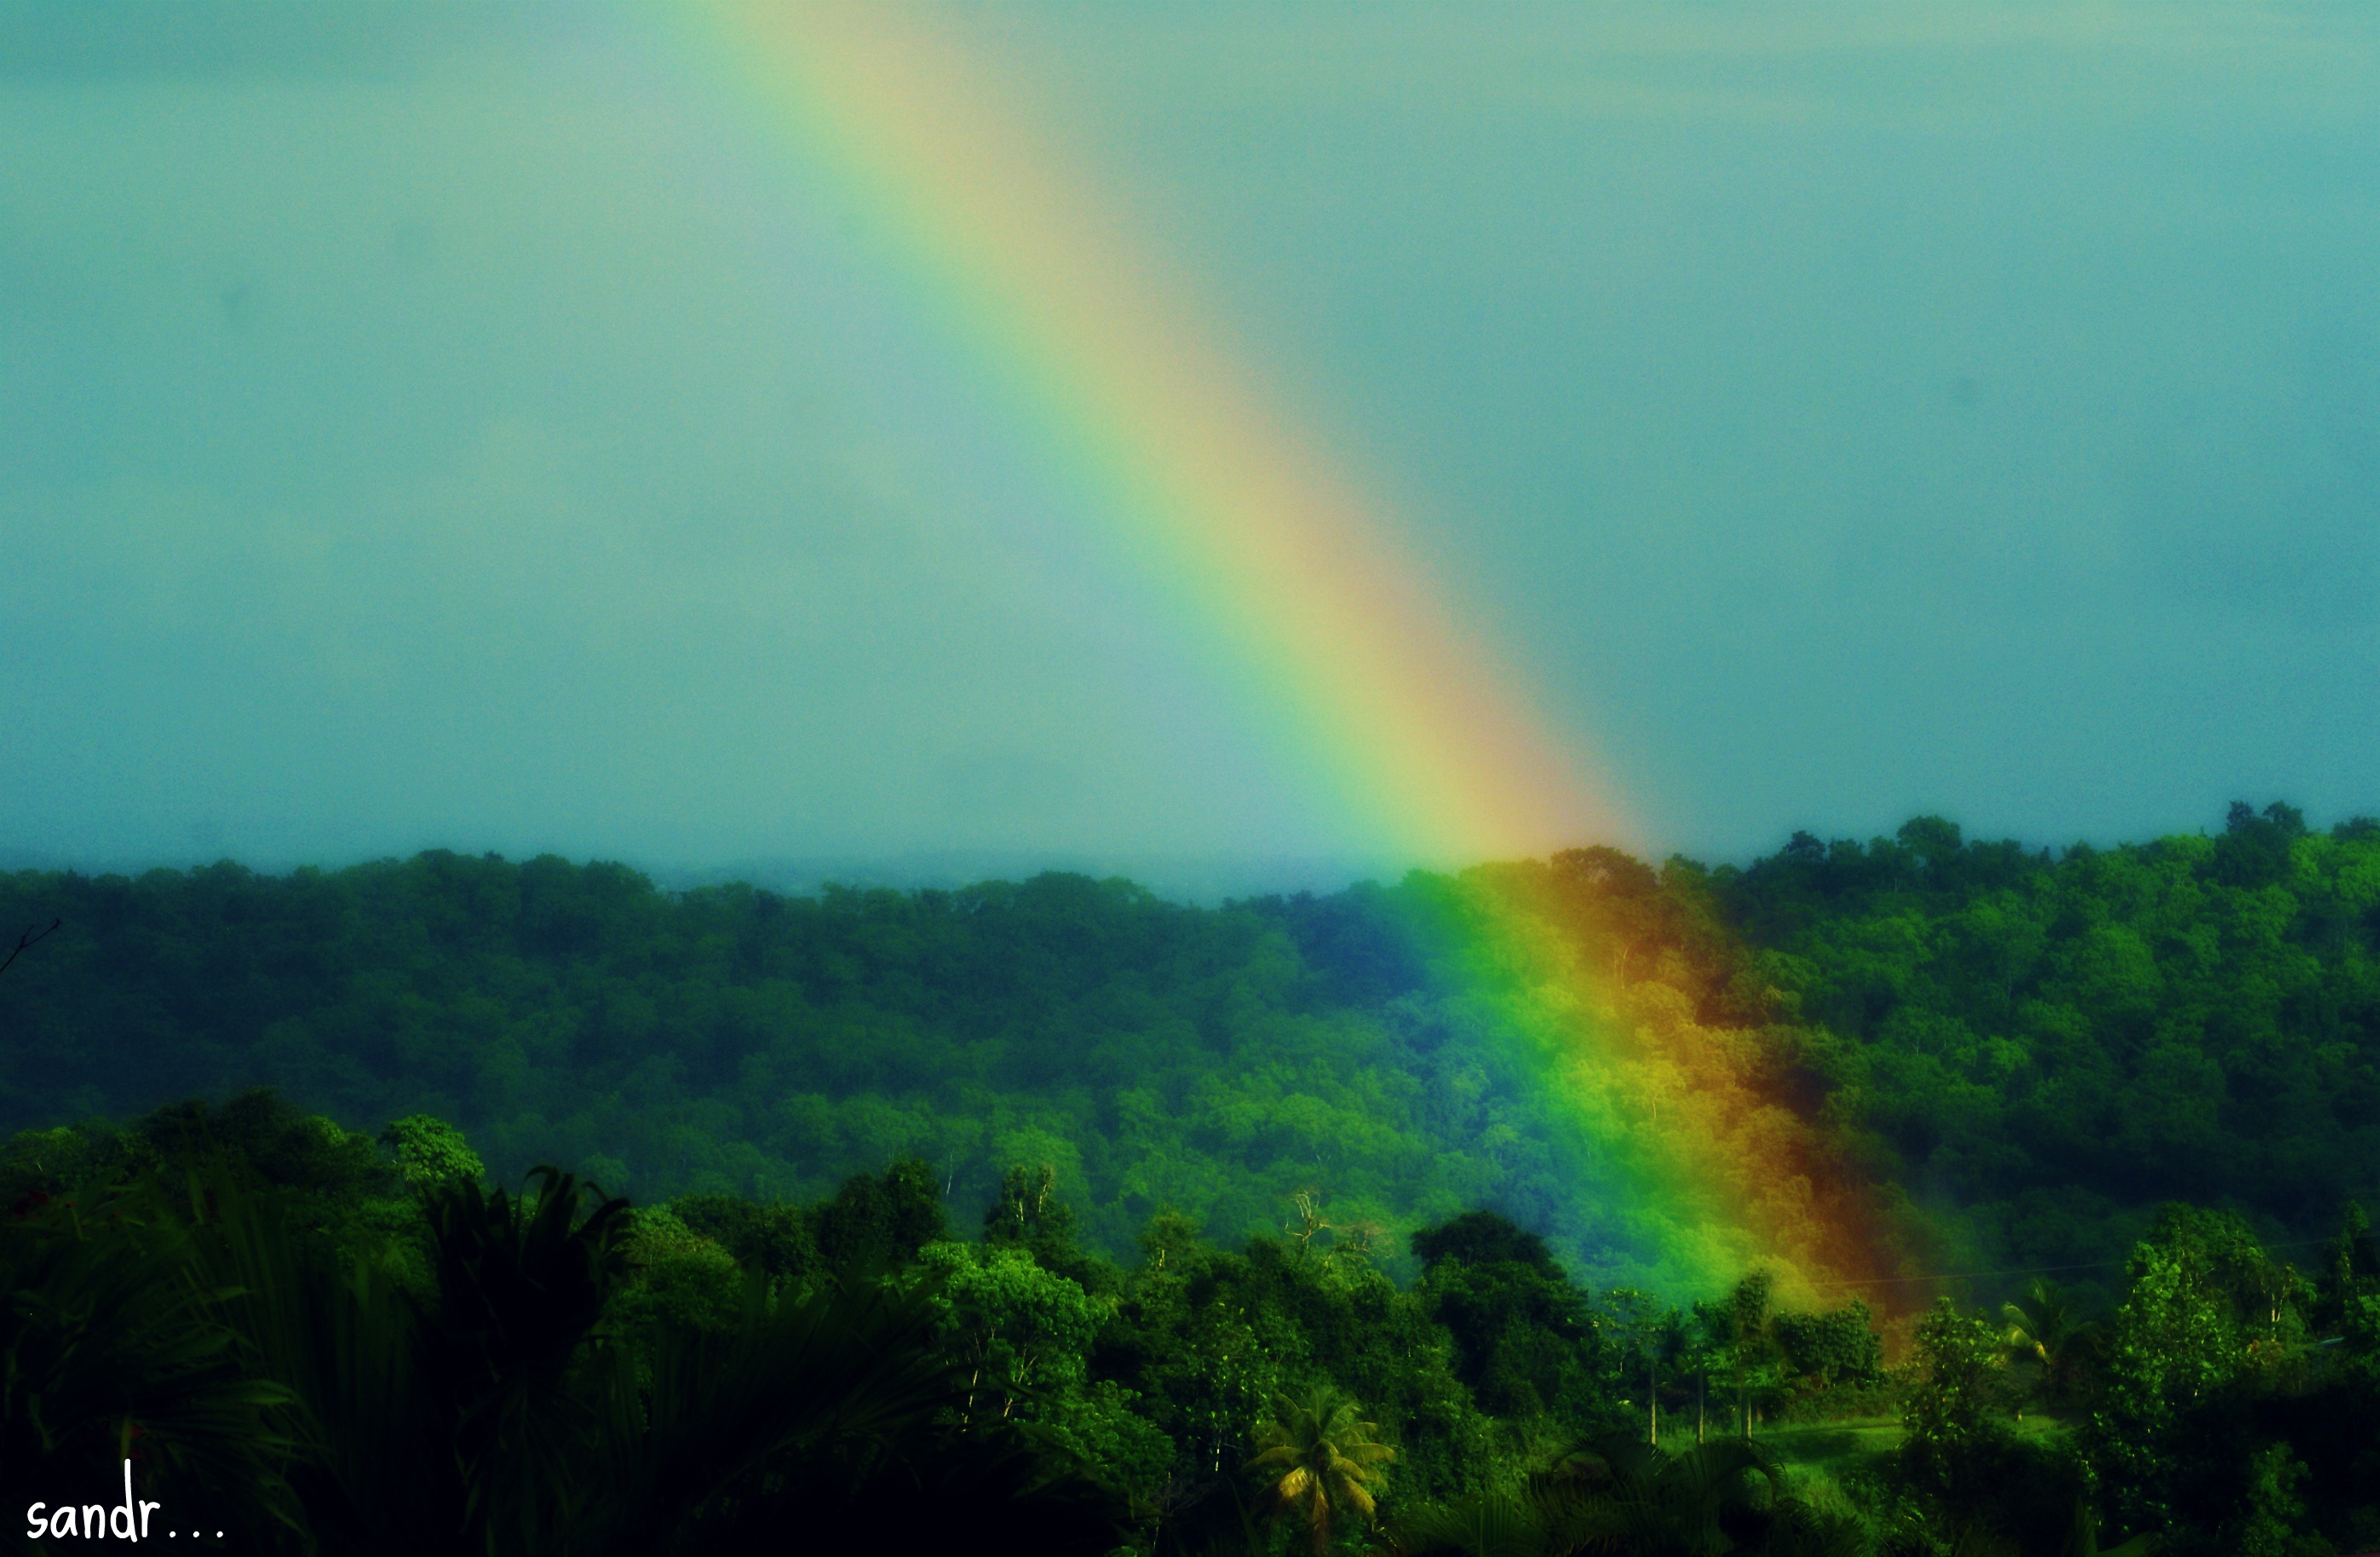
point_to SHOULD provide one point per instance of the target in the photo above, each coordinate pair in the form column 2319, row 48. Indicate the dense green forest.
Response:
column 1054, row 1213
column 309, row 1340
column 2037, row 1049
column 2053, row 1046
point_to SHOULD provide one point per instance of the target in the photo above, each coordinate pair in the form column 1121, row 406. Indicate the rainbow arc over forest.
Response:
column 1280, row 561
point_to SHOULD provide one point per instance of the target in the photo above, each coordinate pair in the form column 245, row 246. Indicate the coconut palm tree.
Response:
column 2045, row 1328
column 1317, row 1458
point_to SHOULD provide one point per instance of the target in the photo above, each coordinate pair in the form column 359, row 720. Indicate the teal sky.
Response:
column 428, row 425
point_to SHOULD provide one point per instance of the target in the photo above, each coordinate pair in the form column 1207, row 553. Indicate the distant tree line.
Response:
column 2038, row 1048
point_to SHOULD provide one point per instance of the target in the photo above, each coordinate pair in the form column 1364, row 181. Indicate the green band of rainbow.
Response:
column 1694, row 1160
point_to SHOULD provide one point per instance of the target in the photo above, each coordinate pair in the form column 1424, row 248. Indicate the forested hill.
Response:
column 2056, row 1044
column 2037, row 1046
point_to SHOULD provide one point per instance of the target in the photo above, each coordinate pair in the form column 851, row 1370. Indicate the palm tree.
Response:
column 1327, row 1459
column 2045, row 1328
column 468, row 1414
column 346, row 1401
column 114, row 1350
column 500, row 1416
column 1481, row 1525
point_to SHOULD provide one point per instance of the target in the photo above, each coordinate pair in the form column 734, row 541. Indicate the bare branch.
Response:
column 31, row 937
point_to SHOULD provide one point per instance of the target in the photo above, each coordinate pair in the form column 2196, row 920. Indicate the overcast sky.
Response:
column 425, row 426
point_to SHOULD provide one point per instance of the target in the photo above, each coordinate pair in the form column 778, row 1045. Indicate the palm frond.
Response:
column 113, row 1348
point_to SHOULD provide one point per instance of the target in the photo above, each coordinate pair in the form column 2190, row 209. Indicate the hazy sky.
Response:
column 432, row 426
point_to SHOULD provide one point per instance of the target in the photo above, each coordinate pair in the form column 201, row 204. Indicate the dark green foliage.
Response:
column 778, row 1240
column 2210, row 1329
column 1617, row 1495
column 115, row 1343
column 2212, row 1421
column 1961, row 1460
column 1954, row 1420
column 2058, row 1044
column 1203, row 1340
column 874, row 1222
column 1029, row 1215
column 36, row 1165
column 818, row 1424
column 1484, row 1238
column 1742, row 1335
column 2051, row 1343
column 2049, row 1045
column 552, row 1372
column 2347, row 1296
column 729, row 1042
column 1524, row 1338
column 520, row 1286
column 1840, row 1349
column 375, row 1348
column 1626, row 1496
column 267, row 1383
column 1319, row 1467
column 880, row 1219
column 269, row 1137
column 257, row 1134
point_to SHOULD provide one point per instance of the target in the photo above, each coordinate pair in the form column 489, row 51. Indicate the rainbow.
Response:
column 1721, row 1168
column 1278, row 561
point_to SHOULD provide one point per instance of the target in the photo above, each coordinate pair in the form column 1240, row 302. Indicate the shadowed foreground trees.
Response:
column 318, row 1345
column 306, row 1400
column 1615, row 1494
column 113, row 1341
